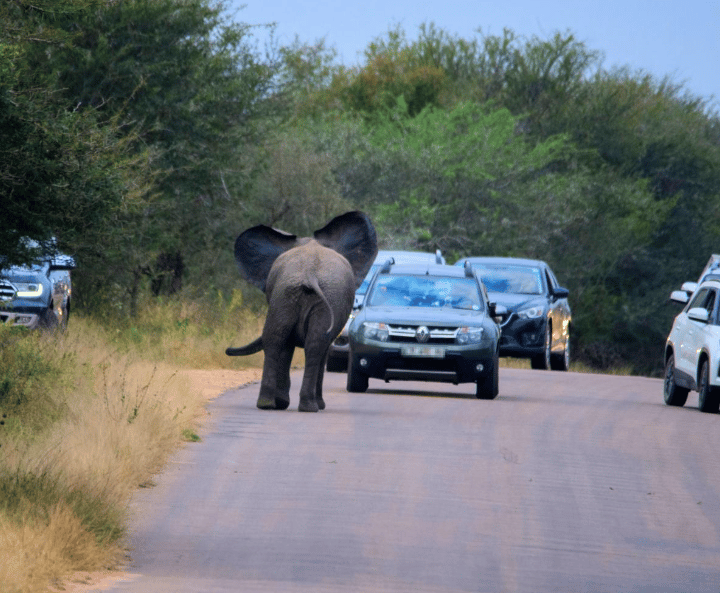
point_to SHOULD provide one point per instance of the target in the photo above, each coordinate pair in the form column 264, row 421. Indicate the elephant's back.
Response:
column 310, row 268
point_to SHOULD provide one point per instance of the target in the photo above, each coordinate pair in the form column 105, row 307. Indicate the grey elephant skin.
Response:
column 310, row 285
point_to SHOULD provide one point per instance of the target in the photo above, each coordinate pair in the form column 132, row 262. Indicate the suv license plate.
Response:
column 430, row 351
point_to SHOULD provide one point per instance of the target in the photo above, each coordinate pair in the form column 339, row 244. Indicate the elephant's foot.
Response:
column 309, row 405
column 320, row 402
column 272, row 403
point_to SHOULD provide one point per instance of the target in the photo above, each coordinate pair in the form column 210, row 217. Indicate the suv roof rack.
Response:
column 386, row 266
column 468, row 269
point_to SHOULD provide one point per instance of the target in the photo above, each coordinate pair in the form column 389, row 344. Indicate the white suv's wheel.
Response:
column 709, row 399
column 674, row 394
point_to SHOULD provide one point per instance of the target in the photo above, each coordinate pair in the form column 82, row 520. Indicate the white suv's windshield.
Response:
column 513, row 279
column 425, row 291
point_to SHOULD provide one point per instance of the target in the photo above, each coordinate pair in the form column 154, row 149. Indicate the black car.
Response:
column 538, row 318
column 427, row 322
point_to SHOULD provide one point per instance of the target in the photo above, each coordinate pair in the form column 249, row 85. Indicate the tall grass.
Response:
column 89, row 415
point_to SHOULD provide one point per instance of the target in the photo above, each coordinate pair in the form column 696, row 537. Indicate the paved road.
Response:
column 565, row 483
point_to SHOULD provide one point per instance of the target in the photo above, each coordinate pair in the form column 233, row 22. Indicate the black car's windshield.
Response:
column 425, row 291
column 509, row 278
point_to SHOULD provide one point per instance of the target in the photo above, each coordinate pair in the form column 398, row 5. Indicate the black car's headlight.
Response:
column 531, row 312
column 375, row 331
column 469, row 335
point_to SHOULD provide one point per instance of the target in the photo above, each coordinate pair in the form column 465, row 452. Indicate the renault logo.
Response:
column 422, row 334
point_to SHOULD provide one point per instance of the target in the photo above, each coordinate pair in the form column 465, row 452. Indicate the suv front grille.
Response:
column 7, row 291
column 408, row 333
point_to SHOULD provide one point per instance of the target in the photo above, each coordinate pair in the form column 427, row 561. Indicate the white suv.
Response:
column 692, row 350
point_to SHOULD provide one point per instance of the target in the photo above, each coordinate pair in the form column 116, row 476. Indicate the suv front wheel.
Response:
column 487, row 386
column 357, row 381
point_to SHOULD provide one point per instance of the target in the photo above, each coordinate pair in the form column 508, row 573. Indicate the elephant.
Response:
column 310, row 285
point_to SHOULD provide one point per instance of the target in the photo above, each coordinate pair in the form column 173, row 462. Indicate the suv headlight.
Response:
column 531, row 312
column 375, row 331
column 469, row 335
column 28, row 289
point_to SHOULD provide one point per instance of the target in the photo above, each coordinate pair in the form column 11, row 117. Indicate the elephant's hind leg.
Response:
column 311, row 399
column 275, row 384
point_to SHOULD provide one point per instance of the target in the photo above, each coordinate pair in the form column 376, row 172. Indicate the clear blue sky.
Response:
column 679, row 38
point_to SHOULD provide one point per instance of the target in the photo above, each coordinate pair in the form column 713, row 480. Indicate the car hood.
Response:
column 423, row 315
column 515, row 301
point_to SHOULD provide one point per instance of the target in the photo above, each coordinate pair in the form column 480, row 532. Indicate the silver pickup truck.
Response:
column 37, row 295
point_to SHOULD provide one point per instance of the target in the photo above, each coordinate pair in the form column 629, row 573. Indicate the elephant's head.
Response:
column 351, row 234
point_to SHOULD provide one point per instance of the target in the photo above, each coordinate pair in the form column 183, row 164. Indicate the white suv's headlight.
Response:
column 469, row 335
column 375, row 331
column 28, row 289
column 531, row 312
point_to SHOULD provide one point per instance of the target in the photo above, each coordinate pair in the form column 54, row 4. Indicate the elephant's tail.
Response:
column 316, row 287
column 251, row 348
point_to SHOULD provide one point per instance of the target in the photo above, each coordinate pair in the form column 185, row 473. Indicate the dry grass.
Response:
column 33, row 554
column 122, row 403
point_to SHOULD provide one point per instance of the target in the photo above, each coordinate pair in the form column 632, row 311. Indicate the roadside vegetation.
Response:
column 87, row 417
column 146, row 134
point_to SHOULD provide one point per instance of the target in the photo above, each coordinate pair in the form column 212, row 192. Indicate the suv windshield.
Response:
column 425, row 291
column 366, row 281
column 514, row 279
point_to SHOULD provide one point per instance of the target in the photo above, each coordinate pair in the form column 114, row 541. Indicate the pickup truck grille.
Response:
column 7, row 291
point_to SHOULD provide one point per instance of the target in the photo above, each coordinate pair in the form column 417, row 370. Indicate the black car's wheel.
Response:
column 709, row 400
column 674, row 394
column 542, row 361
column 487, row 387
column 336, row 364
column 357, row 381
column 561, row 362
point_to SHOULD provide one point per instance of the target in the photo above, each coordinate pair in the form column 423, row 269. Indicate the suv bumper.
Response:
column 454, row 367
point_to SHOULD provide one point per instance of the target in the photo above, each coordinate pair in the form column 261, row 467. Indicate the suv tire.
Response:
column 357, row 381
column 674, row 394
column 709, row 400
column 487, row 386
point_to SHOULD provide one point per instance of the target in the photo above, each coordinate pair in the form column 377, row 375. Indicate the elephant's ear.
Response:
column 256, row 250
column 352, row 235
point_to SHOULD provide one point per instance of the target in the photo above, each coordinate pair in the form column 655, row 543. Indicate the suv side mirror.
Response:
column 497, row 311
column 679, row 296
column 698, row 314
column 689, row 287
column 62, row 262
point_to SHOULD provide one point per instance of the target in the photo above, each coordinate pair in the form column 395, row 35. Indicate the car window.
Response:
column 425, row 291
column 699, row 299
column 551, row 281
column 710, row 306
column 362, row 289
column 510, row 278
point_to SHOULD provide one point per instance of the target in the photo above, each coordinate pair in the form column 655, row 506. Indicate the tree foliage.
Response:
column 145, row 134
column 61, row 174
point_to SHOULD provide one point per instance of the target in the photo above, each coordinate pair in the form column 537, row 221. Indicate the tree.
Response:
column 172, row 77
column 61, row 175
